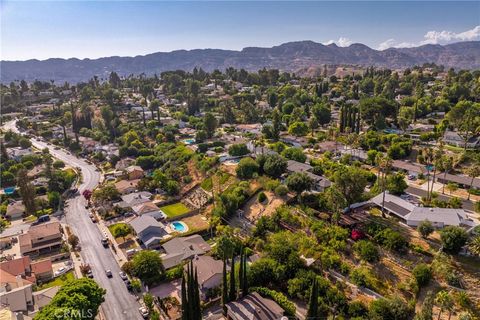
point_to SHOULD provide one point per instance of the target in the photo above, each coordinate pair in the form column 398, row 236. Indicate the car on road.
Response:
column 123, row 276
column 144, row 312
column 92, row 217
column 90, row 274
column 108, row 273
column 56, row 148
column 105, row 242
column 128, row 284
column 412, row 177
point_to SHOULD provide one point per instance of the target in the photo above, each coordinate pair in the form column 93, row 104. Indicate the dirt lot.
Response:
column 197, row 222
column 253, row 210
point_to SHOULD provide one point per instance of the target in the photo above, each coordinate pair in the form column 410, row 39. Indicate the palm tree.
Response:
column 437, row 162
column 474, row 246
column 384, row 164
column 473, row 172
column 445, row 301
column 447, row 165
column 427, row 156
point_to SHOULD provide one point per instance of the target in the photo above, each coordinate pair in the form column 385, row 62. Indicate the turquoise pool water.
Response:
column 178, row 226
column 189, row 141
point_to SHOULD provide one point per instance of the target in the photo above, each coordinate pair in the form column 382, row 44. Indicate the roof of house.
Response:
column 15, row 208
column 39, row 231
column 42, row 266
column 295, row 166
column 141, row 223
column 408, row 166
column 207, row 267
column 123, row 185
column 43, row 297
column 136, row 197
column 447, row 216
column 398, row 206
column 16, row 266
column 181, row 248
column 142, row 226
column 134, row 168
column 255, row 307
column 465, row 180
column 145, row 207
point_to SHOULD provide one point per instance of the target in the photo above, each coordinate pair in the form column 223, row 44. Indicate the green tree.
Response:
column 351, row 182
column 396, row 183
column 147, row 265
column 312, row 311
column 77, row 297
column 294, row 154
column 299, row 182
column 389, row 309
column 273, row 165
column 246, row 168
column 445, row 301
column 120, row 230
column 236, row 150
column 465, row 117
column 453, row 238
column 26, row 191
column 474, row 246
column 366, row 250
column 425, row 228
column 298, row 129
column 422, row 273
column 210, row 124
column 232, row 291
column 54, row 199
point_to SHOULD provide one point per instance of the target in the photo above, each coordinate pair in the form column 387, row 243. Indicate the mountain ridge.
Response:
column 290, row 56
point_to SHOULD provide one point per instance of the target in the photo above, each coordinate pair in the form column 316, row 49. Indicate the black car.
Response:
column 105, row 242
column 128, row 284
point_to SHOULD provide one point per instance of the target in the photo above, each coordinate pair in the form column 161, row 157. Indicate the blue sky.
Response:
column 95, row 29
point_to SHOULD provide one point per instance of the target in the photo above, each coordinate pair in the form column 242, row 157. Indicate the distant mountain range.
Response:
column 292, row 56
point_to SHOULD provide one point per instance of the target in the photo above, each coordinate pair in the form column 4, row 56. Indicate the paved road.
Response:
column 466, row 204
column 119, row 303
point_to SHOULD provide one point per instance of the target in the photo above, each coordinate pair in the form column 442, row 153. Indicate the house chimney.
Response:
column 19, row 281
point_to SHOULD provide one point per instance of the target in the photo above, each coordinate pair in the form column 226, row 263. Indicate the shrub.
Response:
column 262, row 197
column 278, row 297
column 422, row 273
column 453, row 238
column 425, row 228
column 366, row 250
column 362, row 277
column 281, row 190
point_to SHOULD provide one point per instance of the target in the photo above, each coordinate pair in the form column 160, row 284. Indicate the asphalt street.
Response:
column 119, row 303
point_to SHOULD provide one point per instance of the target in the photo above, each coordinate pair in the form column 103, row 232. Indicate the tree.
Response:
column 76, row 297
column 474, row 246
column 298, row 129
column 366, row 250
column 246, row 168
column 351, row 182
column 392, row 309
column 147, row 265
column 321, row 113
column 232, row 291
column 294, row 154
column 396, row 183
column 453, row 238
column 422, row 273
column 425, row 228
column 445, row 301
column 299, row 182
column 120, row 230
column 73, row 240
column 224, row 287
column 236, row 150
column 427, row 306
column 190, row 295
column 473, row 172
column 54, row 199
column 148, row 300
column 210, row 124
column 273, row 165
column 465, row 117
column 26, row 191
column 312, row 311
column 452, row 187
column 384, row 164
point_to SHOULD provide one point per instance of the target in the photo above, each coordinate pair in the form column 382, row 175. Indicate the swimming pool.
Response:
column 189, row 141
column 179, row 226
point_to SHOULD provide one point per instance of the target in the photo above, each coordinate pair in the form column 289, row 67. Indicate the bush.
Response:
column 281, row 190
column 236, row 150
column 425, row 228
column 278, row 297
column 362, row 277
column 453, row 238
column 422, row 273
column 262, row 197
column 246, row 168
column 366, row 250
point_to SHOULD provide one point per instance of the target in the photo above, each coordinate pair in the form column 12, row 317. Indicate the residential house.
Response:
column 149, row 209
column 180, row 249
column 454, row 139
column 124, row 163
column 133, row 199
column 413, row 215
column 255, row 128
column 134, row 172
column 42, row 270
column 127, row 186
column 294, row 141
column 15, row 210
column 13, row 270
column 17, row 153
column 254, row 307
column 320, row 183
column 41, row 238
column 410, row 168
column 209, row 273
column 461, row 180
column 43, row 297
column 149, row 231
column 19, row 298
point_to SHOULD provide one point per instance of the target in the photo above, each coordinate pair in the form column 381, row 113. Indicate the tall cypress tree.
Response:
column 244, row 277
column 197, row 312
column 184, row 299
column 240, row 272
column 224, row 288
column 312, row 312
column 232, row 291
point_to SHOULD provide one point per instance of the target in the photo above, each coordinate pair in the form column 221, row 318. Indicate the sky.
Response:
column 93, row 29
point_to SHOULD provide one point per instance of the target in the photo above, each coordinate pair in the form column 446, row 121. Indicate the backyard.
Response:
column 174, row 210
column 59, row 281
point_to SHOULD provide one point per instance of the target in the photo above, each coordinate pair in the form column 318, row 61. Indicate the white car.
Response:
column 123, row 275
column 144, row 312
column 60, row 271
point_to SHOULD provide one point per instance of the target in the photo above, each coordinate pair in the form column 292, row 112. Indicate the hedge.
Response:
column 278, row 297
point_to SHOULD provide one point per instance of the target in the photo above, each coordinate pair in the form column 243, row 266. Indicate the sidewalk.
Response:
column 117, row 252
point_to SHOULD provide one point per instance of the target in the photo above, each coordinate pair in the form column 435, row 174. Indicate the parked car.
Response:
column 105, row 242
column 60, row 271
column 144, row 312
column 128, row 284
column 412, row 177
column 90, row 274
column 123, row 275
column 109, row 273
column 41, row 219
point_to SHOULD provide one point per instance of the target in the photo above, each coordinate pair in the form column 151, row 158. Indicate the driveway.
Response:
column 119, row 303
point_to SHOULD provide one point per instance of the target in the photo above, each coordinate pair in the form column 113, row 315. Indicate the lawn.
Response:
column 174, row 210
column 59, row 281
column 207, row 184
